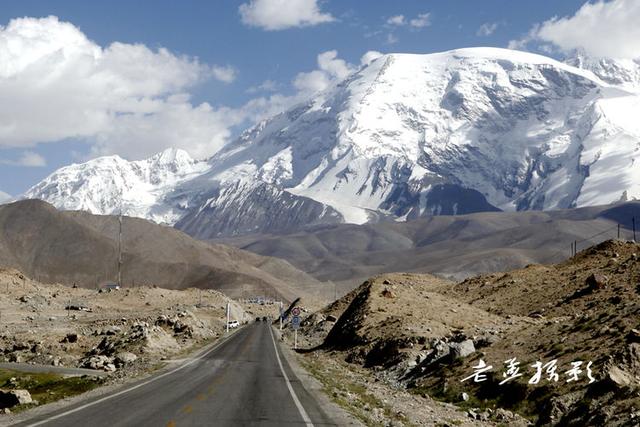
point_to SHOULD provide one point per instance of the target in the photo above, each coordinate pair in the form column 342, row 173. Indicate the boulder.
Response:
column 462, row 349
column 387, row 293
column 70, row 338
column 619, row 378
column 124, row 358
column 596, row 281
column 11, row 398
column 633, row 335
column 99, row 363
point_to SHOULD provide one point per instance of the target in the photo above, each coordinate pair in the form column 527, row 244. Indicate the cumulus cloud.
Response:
column 28, row 159
column 421, row 21
column 265, row 86
column 396, row 20
column 4, row 197
column 225, row 74
column 330, row 69
column 370, row 56
column 600, row 29
column 274, row 15
column 487, row 29
column 56, row 84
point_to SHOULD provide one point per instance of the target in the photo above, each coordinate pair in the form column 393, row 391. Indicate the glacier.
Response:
column 406, row 136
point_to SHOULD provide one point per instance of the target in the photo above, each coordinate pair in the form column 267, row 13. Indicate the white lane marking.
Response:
column 120, row 393
column 303, row 413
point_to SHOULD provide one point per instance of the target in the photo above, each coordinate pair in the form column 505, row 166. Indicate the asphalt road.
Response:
column 245, row 381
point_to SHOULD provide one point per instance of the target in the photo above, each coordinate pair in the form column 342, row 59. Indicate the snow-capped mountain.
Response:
column 406, row 136
column 108, row 184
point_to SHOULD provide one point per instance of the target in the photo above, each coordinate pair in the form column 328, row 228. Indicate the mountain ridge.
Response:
column 404, row 137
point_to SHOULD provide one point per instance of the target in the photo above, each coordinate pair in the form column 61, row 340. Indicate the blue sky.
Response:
column 239, row 65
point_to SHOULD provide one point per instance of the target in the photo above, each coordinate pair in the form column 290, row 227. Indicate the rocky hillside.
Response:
column 455, row 246
column 80, row 248
column 420, row 333
column 404, row 137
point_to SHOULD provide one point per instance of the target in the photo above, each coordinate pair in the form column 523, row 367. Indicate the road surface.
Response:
column 244, row 381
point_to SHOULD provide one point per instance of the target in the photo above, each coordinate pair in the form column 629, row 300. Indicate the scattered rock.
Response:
column 618, row 378
column 464, row 396
column 462, row 349
column 70, row 338
column 504, row 415
column 331, row 318
column 9, row 399
column 633, row 335
column 124, row 358
column 596, row 281
column 100, row 362
column 387, row 293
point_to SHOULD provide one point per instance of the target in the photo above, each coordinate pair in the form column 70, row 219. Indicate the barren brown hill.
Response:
column 424, row 334
column 450, row 246
column 80, row 248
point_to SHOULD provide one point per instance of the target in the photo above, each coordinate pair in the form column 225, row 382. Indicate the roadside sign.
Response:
column 295, row 311
column 295, row 322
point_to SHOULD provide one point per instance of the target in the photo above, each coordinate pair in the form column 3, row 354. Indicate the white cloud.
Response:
column 225, row 74
column 265, row 86
column 421, row 21
column 487, row 29
column 4, row 197
column 282, row 14
column 331, row 69
column 396, row 20
column 392, row 39
column 56, row 84
column 28, row 159
column 370, row 56
column 600, row 29
column 32, row 159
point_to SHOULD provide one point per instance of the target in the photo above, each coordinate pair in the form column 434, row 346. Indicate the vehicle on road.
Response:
column 234, row 323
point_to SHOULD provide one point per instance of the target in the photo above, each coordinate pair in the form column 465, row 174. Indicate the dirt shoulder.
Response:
column 125, row 334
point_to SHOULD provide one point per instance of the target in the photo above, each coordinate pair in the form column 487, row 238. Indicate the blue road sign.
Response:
column 295, row 322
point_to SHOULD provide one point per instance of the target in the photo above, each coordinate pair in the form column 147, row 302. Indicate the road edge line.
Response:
column 135, row 387
column 303, row 413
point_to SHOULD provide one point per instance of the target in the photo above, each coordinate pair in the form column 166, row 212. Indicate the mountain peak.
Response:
column 172, row 155
column 407, row 136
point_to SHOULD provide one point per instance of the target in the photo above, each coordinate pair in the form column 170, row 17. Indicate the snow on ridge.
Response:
column 405, row 136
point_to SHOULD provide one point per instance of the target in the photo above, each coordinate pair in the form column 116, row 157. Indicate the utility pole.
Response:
column 120, row 242
column 228, row 315
column 280, row 315
column 618, row 231
column 120, row 250
column 633, row 224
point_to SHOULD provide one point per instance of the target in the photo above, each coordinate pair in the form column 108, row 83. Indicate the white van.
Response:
column 233, row 324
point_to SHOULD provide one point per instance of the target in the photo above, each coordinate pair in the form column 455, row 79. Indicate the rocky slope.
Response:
column 452, row 246
column 407, row 136
column 424, row 335
column 80, row 248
